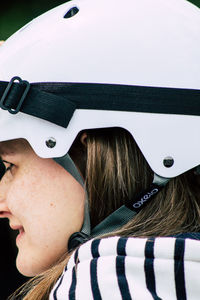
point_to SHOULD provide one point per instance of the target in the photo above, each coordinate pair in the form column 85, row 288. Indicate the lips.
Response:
column 17, row 227
column 21, row 231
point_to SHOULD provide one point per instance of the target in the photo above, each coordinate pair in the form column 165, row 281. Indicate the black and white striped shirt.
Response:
column 117, row 268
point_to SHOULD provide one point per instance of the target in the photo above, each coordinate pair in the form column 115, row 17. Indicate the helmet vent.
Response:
column 72, row 12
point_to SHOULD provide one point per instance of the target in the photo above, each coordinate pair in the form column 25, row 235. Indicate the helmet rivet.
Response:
column 168, row 162
column 51, row 142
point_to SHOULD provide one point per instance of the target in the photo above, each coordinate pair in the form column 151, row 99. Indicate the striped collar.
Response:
column 132, row 268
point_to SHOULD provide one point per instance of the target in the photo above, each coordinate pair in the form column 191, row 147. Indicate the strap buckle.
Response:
column 7, row 91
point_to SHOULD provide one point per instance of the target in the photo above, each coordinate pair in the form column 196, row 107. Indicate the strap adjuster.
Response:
column 7, row 91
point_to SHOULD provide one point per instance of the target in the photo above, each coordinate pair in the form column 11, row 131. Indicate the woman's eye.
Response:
column 4, row 167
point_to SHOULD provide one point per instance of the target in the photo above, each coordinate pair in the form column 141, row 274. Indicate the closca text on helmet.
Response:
column 107, row 63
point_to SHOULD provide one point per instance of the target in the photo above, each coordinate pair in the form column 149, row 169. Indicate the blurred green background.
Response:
column 15, row 14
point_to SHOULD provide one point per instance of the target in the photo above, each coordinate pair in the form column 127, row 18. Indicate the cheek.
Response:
column 45, row 239
column 49, row 217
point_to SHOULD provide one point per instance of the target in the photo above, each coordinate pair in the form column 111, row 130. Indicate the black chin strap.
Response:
column 126, row 212
column 122, row 215
column 76, row 238
column 142, row 199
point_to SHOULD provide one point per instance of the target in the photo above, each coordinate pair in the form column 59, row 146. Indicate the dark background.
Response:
column 14, row 14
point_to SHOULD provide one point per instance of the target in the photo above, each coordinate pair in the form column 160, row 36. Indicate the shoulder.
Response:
column 131, row 268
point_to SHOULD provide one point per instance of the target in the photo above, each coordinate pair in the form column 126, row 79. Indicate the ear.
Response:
column 83, row 139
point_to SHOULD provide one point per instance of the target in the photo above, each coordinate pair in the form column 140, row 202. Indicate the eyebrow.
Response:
column 6, row 149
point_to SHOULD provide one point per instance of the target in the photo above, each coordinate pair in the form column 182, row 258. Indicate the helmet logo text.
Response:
column 145, row 198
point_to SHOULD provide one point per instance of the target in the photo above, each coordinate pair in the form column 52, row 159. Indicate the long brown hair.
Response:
column 115, row 169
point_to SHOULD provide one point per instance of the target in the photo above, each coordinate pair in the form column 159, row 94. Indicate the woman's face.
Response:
column 43, row 202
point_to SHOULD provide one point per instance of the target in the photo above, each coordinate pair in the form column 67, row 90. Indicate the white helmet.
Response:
column 105, row 63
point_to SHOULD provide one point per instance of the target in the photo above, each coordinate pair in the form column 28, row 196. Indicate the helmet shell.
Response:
column 139, row 42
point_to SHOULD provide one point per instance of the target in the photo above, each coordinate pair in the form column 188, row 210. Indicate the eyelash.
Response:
column 10, row 167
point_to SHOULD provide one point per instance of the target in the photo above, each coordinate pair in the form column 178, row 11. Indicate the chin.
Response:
column 27, row 268
column 25, row 271
column 32, row 264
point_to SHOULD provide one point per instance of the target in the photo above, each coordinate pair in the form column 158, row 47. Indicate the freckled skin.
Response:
column 45, row 199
